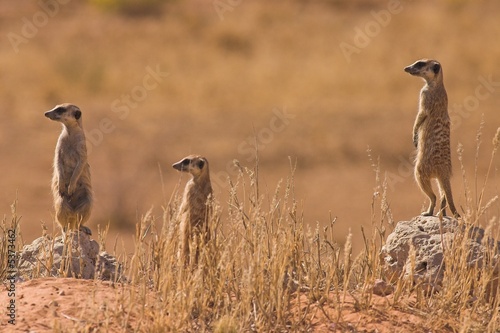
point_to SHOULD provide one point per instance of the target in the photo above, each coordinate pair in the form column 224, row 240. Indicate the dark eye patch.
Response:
column 60, row 110
column 185, row 162
column 419, row 64
column 436, row 68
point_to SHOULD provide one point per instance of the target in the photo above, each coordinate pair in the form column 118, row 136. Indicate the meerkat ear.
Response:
column 436, row 68
column 201, row 164
column 78, row 114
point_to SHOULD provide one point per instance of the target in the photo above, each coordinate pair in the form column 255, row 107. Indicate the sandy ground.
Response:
column 48, row 304
column 51, row 304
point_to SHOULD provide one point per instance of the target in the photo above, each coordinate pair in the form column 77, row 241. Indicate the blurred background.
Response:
column 319, row 81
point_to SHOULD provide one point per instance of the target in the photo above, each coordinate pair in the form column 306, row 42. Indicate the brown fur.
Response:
column 71, row 184
column 431, row 135
column 194, row 212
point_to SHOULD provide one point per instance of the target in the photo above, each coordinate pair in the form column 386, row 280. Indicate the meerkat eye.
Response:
column 185, row 162
column 201, row 164
column 60, row 110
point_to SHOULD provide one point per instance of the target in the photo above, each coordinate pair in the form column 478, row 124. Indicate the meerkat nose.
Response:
column 182, row 165
column 177, row 166
column 49, row 115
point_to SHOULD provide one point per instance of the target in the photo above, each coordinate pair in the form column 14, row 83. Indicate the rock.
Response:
column 426, row 235
column 78, row 256
column 382, row 288
column 107, row 267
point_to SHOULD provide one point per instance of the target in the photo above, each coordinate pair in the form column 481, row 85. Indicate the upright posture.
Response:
column 71, row 185
column 195, row 207
column 431, row 135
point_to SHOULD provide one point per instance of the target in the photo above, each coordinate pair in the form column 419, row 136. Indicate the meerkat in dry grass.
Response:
column 431, row 135
column 194, row 211
column 71, row 186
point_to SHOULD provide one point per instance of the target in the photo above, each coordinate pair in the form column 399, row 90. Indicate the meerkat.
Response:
column 431, row 135
column 194, row 211
column 71, row 185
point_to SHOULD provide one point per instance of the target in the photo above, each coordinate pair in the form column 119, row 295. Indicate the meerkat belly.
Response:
column 67, row 160
column 434, row 149
column 79, row 198
column 198, row 211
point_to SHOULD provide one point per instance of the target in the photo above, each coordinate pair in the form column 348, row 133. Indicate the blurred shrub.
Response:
column 132, row 7
column 234, row 43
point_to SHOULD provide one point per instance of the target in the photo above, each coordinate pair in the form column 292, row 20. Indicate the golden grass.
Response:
column 262, row 259
column 225, row 79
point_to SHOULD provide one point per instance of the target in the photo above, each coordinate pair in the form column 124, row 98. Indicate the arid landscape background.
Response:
column 314, row 86
column 316, row 81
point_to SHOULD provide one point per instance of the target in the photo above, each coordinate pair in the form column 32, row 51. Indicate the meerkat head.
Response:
column 68, row 114
column 194, row 164
column 429, row 70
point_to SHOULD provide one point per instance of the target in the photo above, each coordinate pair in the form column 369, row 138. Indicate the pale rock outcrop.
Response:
column 426, row 235
column 77, row 256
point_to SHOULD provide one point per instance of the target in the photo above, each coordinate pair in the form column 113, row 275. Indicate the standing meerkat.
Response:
column 71, row 186
column 194, row 211
column 431, row 135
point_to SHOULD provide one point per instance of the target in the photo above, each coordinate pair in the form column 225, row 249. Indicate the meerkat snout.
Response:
column 414, row 68
column 183, row 165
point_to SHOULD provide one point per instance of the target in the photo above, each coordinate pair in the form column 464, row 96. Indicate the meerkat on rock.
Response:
column 431, row 135
column 71, row 186
column 194, row 211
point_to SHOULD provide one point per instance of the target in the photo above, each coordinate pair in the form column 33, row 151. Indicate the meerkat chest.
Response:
column 69, row 152
column 434, row 101
column 195, row 197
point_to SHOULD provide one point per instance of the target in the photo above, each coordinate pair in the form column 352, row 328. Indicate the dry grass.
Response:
column 225, row 79
column 265, row 270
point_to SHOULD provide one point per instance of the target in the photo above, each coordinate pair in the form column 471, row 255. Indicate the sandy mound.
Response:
column 43, row 305
column 48, row 304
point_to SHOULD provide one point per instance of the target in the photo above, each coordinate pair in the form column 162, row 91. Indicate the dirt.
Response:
column 49, row 304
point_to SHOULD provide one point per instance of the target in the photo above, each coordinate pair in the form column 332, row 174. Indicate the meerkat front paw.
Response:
column 62, row 190
column 71, row 188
